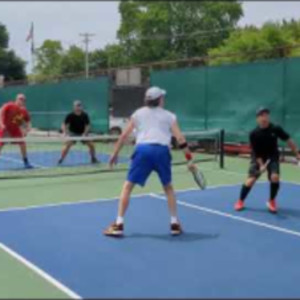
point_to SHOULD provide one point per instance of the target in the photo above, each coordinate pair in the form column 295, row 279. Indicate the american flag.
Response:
column 30, row 37
column 31, row 33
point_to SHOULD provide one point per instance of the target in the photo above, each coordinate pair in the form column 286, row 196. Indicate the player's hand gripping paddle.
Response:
column 264, row 167
column 198, row 176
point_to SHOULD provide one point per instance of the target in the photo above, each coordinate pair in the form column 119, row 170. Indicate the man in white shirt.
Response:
column 154, row 129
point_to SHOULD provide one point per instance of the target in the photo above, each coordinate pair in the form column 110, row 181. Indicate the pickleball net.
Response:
column 44, row 153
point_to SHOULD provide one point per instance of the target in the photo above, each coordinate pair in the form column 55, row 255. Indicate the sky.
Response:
column 64, row 21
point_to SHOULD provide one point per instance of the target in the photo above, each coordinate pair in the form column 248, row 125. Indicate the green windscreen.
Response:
column 228, row 96
column 235, row 93
column 48, row 103
column 292, row 97
column 185, row 95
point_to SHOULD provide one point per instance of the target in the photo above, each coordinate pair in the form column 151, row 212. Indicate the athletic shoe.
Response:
column 115, row 230
column 94, row 160
column 60, row 162
column 27, row 165
column 272, row 206
column 176, row 229
column 239, row 205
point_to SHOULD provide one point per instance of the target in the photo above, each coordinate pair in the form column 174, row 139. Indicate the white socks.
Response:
column 120, row 220
column 174, row 220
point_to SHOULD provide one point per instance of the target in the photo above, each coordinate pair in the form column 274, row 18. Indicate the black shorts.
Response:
column 273, row 167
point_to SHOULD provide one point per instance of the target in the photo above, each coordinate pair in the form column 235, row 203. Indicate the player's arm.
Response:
column 87, row 126
column 27, row 123
column 182, row 144
column 64, row 128
column 119, row 144
column 65, row 125
column 86, row 130
column 27, row 127
column 3, row 115
column 284, row 136
column 292, row 145
column 256, row 151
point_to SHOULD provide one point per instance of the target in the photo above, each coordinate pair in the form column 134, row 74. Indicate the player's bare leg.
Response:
column 170, row 194
column 245, row 190
column 92, row 150
column 274, row 188
column 124, row 200
column 65, row 151
column 117, row 228
column 23, row 149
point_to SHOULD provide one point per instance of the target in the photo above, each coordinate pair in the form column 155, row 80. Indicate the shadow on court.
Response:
column 288, row 212
column 264, row 211
column 283, row 213
column 185, row 237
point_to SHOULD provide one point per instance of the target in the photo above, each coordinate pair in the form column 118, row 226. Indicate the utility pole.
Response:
column 86, row 41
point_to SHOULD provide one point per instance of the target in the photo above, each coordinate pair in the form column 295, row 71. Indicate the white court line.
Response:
column 3, row 157
column 29, row 207
column 230, row 216
column 40, row 272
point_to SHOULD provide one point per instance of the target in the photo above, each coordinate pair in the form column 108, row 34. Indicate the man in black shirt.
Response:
column 265, row 157
column 77, row 124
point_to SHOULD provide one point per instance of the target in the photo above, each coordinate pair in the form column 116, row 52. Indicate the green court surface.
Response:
column 19, row 281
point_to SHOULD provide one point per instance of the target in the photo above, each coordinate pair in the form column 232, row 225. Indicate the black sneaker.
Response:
column 94, row 160
column 114, row 230
column 176, row 229
column 27, row 165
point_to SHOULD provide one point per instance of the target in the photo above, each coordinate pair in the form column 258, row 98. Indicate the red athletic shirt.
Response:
column 13, row 115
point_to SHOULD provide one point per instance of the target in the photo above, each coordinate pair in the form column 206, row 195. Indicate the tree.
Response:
column 11, row 66
column 273, row 40
column 73, row 60
column 3, row 37
column 49, row 57
column 156, row 30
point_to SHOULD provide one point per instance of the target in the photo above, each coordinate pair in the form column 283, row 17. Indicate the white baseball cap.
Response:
column 154, row 93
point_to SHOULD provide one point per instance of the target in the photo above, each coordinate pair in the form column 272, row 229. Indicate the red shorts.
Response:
column 14, row 132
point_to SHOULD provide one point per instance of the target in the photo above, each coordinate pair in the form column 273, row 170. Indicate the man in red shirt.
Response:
column 15, row 123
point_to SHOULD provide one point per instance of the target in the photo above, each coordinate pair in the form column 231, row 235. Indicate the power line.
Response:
column 86, row 41
column 198, row 33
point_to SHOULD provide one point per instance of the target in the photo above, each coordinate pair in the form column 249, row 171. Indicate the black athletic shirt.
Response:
column 264, row 141
column 77, row 123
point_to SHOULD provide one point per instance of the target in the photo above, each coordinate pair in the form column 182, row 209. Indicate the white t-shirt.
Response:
column 153, row 125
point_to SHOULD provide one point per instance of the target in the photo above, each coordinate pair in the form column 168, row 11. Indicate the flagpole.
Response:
column 32, row 50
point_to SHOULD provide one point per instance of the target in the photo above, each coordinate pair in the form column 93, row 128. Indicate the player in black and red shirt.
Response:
column 265, row 156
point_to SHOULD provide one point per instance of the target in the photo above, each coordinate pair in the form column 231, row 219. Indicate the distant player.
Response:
column 77, row 124
column 265, row 157
column 15, row 123
column 154, row 128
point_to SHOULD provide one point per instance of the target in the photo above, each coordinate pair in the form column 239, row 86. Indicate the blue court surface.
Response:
column 222, row 253
column 49, row 159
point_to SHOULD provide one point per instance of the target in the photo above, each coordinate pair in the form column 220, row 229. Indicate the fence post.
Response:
column 205, row 97
column 222, row 150
column 284, row 81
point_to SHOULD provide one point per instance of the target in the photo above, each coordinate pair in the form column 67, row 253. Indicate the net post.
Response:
column 222, row 150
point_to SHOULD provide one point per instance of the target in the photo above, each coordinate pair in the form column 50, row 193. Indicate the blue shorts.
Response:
column 147, row 158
